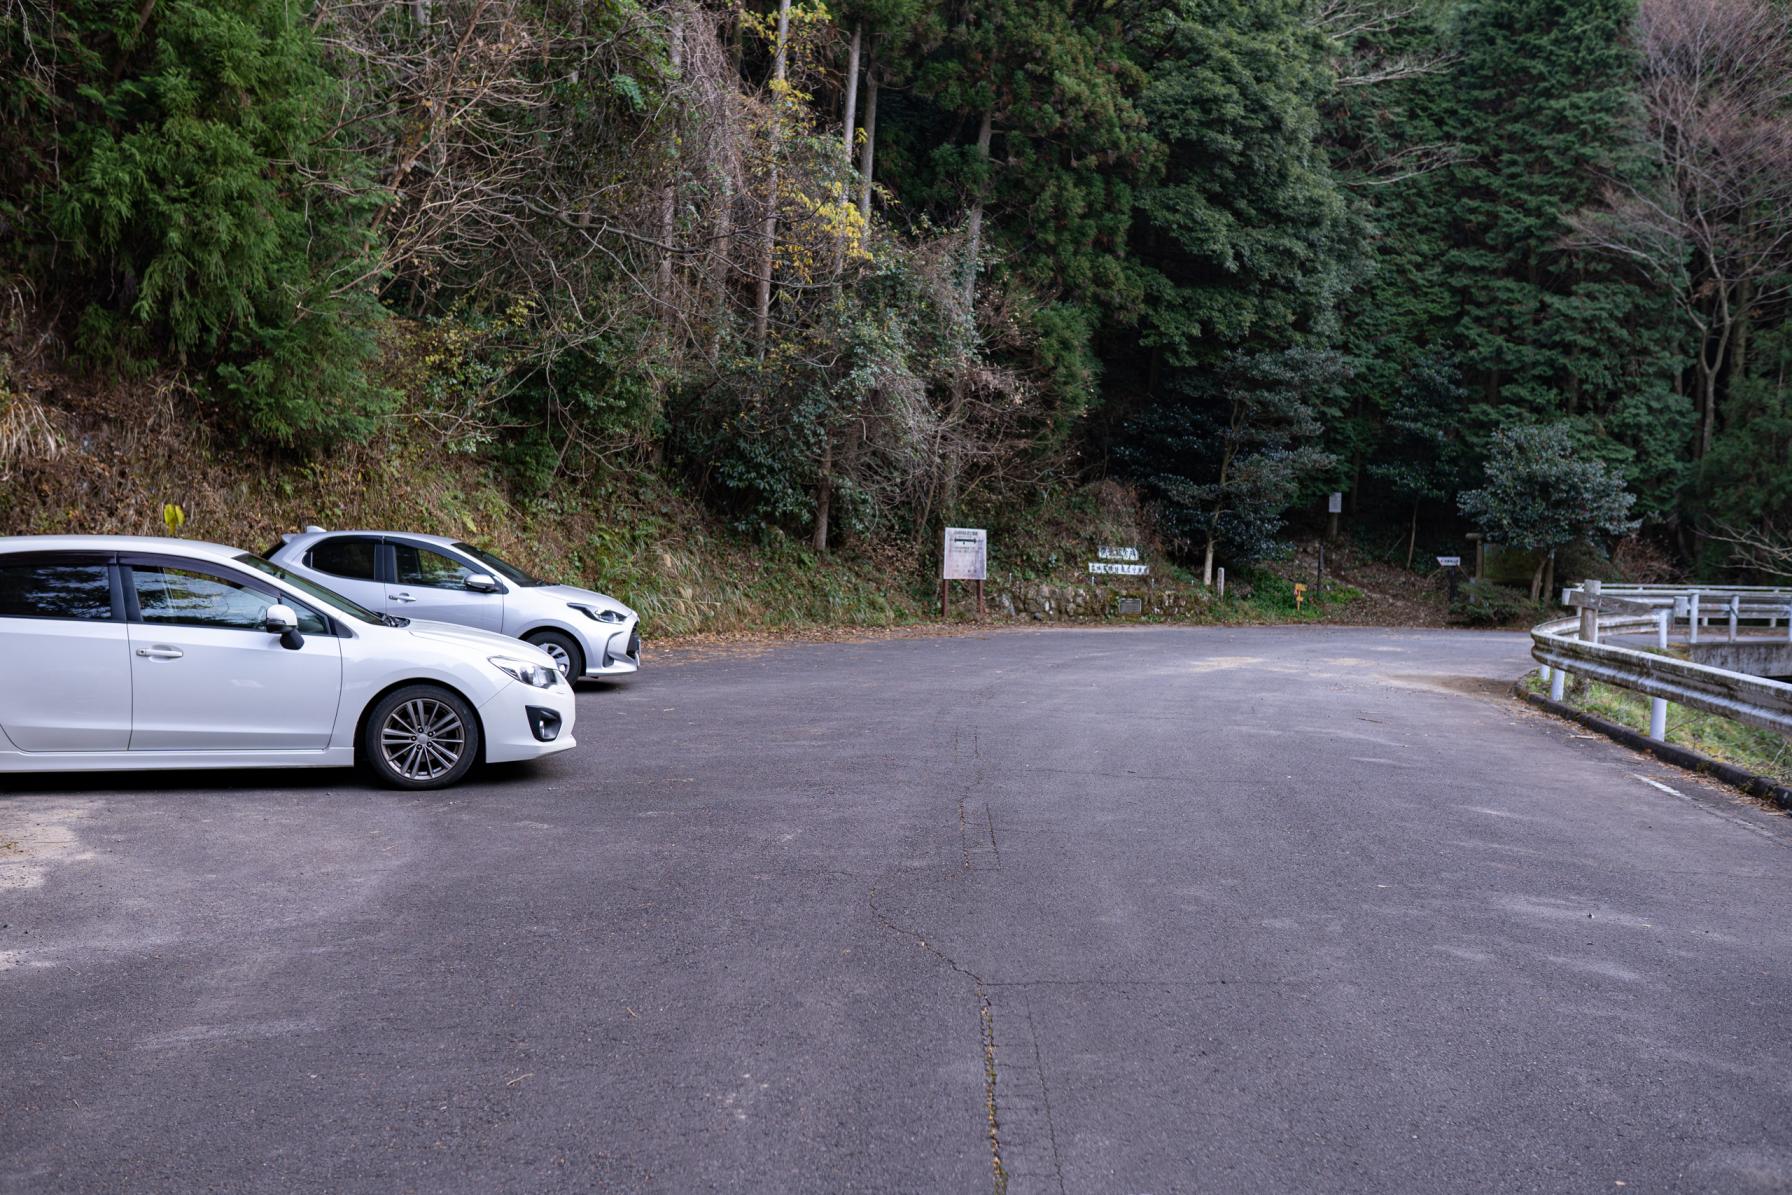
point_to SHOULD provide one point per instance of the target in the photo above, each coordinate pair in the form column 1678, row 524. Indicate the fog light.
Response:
column 544, row 723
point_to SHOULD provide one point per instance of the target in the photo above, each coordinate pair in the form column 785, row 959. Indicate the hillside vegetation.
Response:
column 731, row 307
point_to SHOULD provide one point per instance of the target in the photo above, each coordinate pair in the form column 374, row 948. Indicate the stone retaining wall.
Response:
column 1047, row 602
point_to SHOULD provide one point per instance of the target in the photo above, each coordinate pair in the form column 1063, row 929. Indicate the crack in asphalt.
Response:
column 987, row 1029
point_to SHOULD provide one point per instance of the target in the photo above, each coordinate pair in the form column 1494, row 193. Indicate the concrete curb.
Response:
column 1681, row 757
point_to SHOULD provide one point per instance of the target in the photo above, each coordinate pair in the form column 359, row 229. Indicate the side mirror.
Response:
column 482, row 583
column 280, row 620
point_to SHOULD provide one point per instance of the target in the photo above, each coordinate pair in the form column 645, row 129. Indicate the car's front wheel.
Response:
column 420, row 736
column 566, row 654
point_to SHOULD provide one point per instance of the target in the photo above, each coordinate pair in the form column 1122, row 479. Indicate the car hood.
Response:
column 487, row 643
column 585, row 597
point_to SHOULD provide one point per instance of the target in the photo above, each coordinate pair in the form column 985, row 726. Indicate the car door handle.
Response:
column 160, row 653
column 403, row 597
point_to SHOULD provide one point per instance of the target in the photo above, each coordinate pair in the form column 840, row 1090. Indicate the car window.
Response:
column 181, row 597
column 78, row 591
column 420, row 566
column 349, row 557
column 503, row 568
column 306, row 585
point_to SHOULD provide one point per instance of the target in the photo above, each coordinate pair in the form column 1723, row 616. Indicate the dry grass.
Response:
column 28, row 433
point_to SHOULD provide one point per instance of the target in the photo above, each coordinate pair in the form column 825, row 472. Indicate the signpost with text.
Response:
column 966, row 559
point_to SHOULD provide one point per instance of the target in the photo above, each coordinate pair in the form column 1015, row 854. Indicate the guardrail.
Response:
column 1576, row 645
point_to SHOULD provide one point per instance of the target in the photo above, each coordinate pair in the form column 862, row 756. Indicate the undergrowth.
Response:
column 1760, row 751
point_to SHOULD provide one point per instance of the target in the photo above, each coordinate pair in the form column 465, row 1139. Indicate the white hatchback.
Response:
column 589, row 634
column 122, row 653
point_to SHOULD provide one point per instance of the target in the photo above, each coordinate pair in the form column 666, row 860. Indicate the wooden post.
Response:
column 980, row 597
column 945, row 598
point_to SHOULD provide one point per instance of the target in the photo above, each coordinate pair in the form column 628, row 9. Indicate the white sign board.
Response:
column 1106, row 553
column 1335, row 504
column 1449, row 562
column 967, row 554
column 1119, row 570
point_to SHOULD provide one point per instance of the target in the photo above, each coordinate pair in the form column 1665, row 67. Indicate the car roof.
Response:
column 118, row 543
column 444, row 541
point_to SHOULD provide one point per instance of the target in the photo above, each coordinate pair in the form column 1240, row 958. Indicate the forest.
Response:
column 846, row 272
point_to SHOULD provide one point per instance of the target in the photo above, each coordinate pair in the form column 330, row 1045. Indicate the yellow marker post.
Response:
column 1300, row 595
column 173, row 517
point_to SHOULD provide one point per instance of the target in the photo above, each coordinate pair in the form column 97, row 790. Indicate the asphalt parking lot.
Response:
column 1133, row 910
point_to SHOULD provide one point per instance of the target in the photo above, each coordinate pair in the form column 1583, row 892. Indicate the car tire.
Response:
column 420, row 737
column 568, row 657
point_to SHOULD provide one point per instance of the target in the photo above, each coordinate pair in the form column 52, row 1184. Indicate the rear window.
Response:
column 77, row 591
column 350, row 558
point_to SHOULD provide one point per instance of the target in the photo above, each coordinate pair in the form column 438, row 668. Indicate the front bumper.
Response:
column 617, row 654
column 518, row 715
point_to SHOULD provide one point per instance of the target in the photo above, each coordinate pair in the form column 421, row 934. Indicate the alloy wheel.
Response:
column 422, row 739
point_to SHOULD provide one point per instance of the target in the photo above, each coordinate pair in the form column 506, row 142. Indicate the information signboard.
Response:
column 967, row 554
column 1449, row 562
column 1335, row 504
column 1118, row 570
column 1106, row 553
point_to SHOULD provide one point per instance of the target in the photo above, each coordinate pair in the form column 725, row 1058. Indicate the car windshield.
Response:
column 508, row 571
column 314, row 589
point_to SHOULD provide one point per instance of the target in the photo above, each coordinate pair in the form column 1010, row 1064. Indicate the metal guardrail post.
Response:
column 1658, row 706
column 1572, row 644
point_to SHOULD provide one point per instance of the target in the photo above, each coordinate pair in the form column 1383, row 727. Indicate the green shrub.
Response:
column 1481, row 603
column 188, row 190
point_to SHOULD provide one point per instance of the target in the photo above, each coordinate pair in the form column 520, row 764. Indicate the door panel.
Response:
column 205, row 676
column 65, row 671
column 65, row 686
column 431, row 585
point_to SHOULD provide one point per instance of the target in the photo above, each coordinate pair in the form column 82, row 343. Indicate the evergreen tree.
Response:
column 1246, row 244
column 1537, row 101
column 1541, row 494
column 189, row 193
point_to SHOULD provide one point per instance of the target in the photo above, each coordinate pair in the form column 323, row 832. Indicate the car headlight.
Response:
column 542, row 676
column 600, row 615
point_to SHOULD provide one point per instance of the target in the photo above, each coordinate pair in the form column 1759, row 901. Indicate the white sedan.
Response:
column 120, row 653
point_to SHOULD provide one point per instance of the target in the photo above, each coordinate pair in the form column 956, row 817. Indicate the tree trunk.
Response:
column 848, row 117
column 1412, row 536
column 762, row 308
column 721, row 260
column 1537, row 579
column 1745, row 295
column 973, row 233
column 1710, row 365
column 1549, row 574
column 852, row 88
column 1207, row 566
column 669, row 196
column 868, row 151
column 824, row 495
